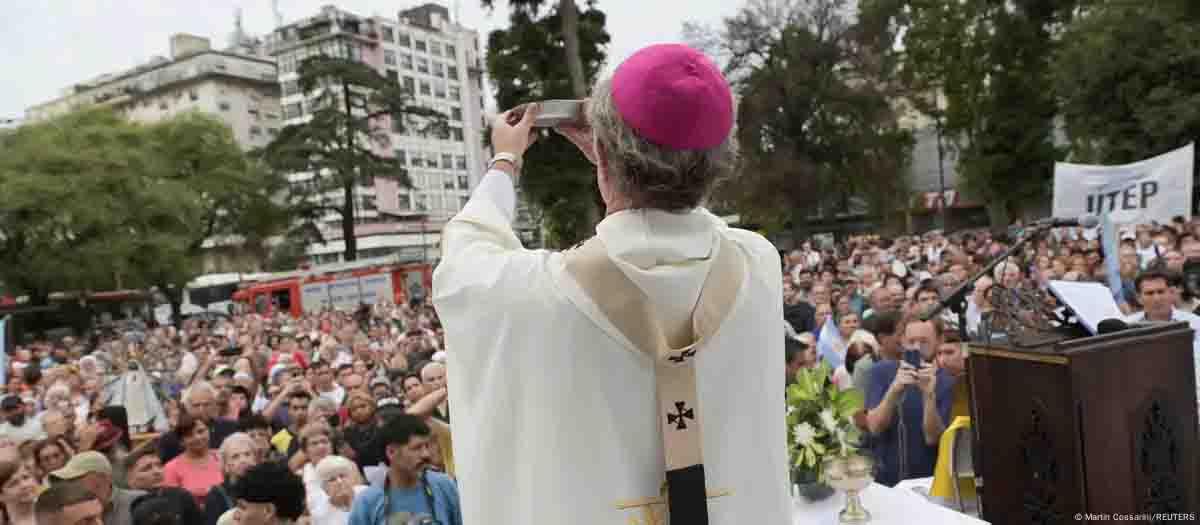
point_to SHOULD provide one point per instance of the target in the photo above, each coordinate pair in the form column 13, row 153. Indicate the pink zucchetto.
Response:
column 674, row 97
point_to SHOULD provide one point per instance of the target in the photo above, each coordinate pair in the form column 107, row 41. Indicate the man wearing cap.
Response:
column 588, row 376
column 94, row 472
column 17, row 425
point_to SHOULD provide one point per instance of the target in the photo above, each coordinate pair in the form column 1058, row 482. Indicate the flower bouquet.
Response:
column 820, row 426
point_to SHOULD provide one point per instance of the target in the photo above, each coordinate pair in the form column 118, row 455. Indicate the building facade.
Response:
column 239, row 89
column 237, row 86
column 439, row 63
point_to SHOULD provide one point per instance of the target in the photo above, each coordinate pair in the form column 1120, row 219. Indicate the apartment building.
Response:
column 439, row 63
column 240, row 89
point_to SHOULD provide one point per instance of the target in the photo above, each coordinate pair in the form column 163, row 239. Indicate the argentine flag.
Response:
column 828, row 343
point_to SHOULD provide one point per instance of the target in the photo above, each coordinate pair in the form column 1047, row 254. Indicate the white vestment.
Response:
column 555, row 419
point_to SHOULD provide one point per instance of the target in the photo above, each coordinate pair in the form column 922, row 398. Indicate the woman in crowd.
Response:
column 49, row 456
column 198, row 468
column 341, row 481
column 113, row 439
column 316, row 442
column 414, row 389
column 18, row 492
column 238, row 454
column 361, row 431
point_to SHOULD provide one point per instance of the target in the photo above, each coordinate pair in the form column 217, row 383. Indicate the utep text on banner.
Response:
column 1154, row 189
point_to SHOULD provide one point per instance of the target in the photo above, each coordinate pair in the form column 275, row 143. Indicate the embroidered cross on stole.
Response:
column 674, row 351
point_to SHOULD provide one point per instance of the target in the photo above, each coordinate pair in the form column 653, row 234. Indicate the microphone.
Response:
column 1086, row 221
column 1109, row 326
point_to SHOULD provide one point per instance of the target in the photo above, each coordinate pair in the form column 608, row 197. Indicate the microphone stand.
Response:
column 957, row 303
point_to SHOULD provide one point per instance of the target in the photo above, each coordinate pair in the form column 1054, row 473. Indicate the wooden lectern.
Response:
column 1101, row 425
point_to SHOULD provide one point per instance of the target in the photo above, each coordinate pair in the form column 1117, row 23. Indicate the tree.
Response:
column 93, row 201
column 556, row 178
column 75, row 190
column 991, row 62
column 568, row 16
column 1117, row 75
column 346, row 142
column 815, row 125
column 232, row 197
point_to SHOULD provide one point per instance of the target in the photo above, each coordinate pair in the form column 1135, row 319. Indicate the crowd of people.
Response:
column 860, row 304
column 273, row 419
column 264, row 419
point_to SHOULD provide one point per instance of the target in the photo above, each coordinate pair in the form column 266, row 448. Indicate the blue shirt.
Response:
column 919, row 458
column 370, row 508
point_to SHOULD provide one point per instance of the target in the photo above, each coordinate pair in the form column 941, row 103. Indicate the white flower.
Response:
column 828, row 420
column 790, row 409
column 805, row 434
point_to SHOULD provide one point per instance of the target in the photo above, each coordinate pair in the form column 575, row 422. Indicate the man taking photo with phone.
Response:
column 908, row 404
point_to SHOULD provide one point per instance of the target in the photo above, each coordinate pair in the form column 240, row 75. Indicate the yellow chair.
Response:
column 954, row 475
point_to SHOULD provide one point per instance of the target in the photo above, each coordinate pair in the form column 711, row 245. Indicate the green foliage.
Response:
column 345, row 143
column 92, row 200
column 991, row 62
column 815, row 123
column 820, row 418
column 524, row 66
column 1122, row 77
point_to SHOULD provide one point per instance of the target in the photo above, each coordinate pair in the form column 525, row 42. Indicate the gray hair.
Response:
column 332, row 465
column 321, row 403
column 234, row 439
column 649, row 175
column 202, row 385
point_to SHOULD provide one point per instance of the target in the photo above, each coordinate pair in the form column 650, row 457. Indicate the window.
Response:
column 448, row 183
column 401, row 157
column 435, row 48
column 457, row 134
column 462, row 182
column 447, row 161
column 455, row 93
column 460, row 162
column 393, row 75
column 452, row 72
column 222, row 105
column 455, row 113
column 193, row 95
column 406, row 61
column 272, row 132
column 450, row 51
column 422, row 65
column 290, row 87
column 462, row 201
column 420, row 45
column 439, row 70
column 255, row 131
column 439, row 89
column 409, row 85
column 292, row 110
column 389, row 35
column 404, row 201
column 424, row 87
column 389, row 57
column 403, row 39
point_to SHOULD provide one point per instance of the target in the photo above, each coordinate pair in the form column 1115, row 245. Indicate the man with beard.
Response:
column 16, row 425
column 410, row 491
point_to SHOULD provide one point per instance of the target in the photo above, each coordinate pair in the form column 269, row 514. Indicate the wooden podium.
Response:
column 1102, row 425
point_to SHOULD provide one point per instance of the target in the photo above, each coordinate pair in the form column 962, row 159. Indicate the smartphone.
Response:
column 913, row 357
column 553, row 113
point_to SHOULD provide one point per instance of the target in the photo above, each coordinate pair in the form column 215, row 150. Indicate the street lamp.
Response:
column 937, row 119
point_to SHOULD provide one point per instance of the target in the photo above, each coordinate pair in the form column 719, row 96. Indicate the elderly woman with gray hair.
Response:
column 238, row 454
column 666, row 296
column 341, row 481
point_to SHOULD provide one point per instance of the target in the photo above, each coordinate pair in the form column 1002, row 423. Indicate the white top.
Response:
column 30, row 431
column 337, row 395
column 327, row 514
column 548, row 392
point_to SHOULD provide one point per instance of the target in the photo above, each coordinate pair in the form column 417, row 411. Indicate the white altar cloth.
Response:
column 886, row 505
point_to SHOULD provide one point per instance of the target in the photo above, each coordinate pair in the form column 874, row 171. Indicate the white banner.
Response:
column 314, row 297
column 1154, row 189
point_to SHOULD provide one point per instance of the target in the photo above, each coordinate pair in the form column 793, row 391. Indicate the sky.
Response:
column 51, row 44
